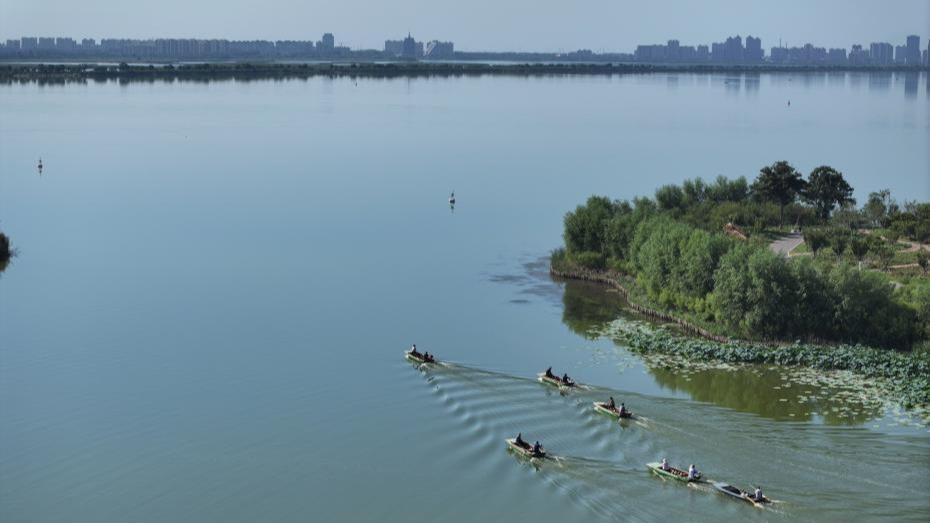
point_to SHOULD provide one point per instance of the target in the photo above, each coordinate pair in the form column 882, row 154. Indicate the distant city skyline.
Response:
column 480, row 25
column 731, row 51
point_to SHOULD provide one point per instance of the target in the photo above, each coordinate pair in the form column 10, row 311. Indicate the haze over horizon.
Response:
column 480, row 25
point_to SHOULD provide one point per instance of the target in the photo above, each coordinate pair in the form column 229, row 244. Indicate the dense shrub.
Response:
column 681, row 260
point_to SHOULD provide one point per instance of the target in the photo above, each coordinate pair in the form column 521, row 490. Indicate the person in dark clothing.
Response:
column 519, row 441
column 537, row 449
column 549, row 373
column 413, row 350
column 610, row 403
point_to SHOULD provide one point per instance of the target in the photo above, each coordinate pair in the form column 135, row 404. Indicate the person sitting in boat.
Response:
column 622, row 410
column 519, row 441
column 537, row 449
column 610, row 403
column 665, row 466
column 549, row 373
column 566, row 380
column 693, row 472
column 430, row 358
column 757, row 495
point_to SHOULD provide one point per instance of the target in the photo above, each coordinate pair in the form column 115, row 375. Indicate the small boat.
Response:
column 732, row 491
column 525, row 451
column 673, row 473
column 40, row 164
column 418, row 357
column 613, row 412
column 452, row 198
column 555, row 381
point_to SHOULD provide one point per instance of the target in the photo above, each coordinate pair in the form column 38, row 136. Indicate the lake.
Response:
column 216, row 281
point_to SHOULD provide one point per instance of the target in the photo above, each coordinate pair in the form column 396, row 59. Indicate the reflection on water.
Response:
column 589, row 307
column 731, row 83
column 763, row 391
column 779, row 394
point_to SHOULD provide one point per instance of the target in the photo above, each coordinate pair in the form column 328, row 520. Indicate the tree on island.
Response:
column 816, row 239
column 923, row 260
column 879, row 208
column 779, row 183
column 825, row 189
column 859, row 248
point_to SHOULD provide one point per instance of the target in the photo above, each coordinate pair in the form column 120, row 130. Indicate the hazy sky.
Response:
column 550, row 25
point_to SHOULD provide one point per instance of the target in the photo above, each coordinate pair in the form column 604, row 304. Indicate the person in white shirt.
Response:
column 693, row 472
column 757, row 495
column 665, row 465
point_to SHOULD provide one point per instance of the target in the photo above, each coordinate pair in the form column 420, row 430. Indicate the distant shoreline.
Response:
column 63, row 72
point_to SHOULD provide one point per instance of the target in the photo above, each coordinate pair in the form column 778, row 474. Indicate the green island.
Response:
column 243, row 71
column 785, row 270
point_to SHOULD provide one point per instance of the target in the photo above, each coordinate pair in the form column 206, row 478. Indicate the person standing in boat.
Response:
column 757, row 495
column 537, row 449
column 665, row 465
column 549, row 373
column 519, row 440
column 622, row 410
column 610, row 403
column 413, row 350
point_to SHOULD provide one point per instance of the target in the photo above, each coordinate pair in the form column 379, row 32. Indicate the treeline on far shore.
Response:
column 700, row 251
column 23, row 72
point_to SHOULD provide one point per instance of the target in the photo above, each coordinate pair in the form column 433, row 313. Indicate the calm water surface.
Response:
column 216, row 281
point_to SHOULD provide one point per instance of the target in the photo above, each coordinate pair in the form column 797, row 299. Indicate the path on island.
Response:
column 786, row 244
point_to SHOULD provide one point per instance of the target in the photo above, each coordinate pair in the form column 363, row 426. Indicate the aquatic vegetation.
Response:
column 905, row 375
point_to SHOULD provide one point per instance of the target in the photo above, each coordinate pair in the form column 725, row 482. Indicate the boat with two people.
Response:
column 523, row 448
column 551, row 379
column 420, row 357
column 610, row 408
column 664, row 470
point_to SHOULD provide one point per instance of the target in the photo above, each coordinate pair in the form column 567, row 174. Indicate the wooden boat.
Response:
column 673, row 473
column 418, row 357
column 612, row 412
column 555, row 381
column 734, row 492
column 526, row 451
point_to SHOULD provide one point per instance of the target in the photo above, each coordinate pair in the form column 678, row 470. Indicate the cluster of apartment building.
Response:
column 410, row 49
column 170, row 48
column 733, row 51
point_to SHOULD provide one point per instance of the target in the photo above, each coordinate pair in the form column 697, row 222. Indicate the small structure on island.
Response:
column 734, row 231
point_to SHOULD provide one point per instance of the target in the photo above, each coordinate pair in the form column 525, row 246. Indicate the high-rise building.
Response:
column 858, row 55
column 65, row 44
column 673, row 51
column 912, row 54
column 881, row 53
column 12, row 45
column 394, row 47
column 754, row 52
column 900, row 54
column 439, row 50
column 46, row 43
column 409, row 50
column 88, row 43
column 836, row 56
column 328, row 41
